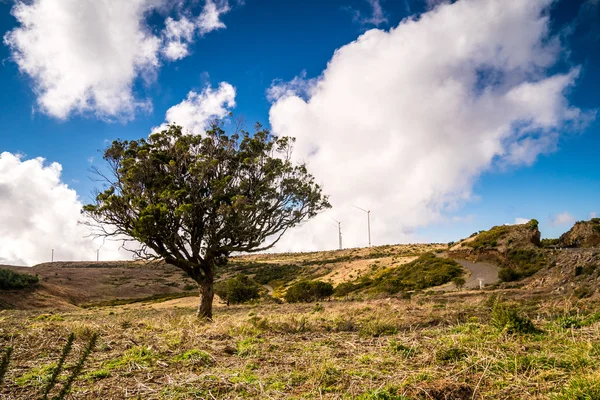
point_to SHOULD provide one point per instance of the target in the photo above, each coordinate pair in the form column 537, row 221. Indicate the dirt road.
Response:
column 479, row 271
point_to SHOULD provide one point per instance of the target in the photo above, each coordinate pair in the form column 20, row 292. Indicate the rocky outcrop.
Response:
column 584, row 234
column 488, row 245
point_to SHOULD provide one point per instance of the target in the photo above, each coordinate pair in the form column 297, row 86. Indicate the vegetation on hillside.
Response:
column 521, row 263
column 491, row 238
column 10, row 280
column 426, row 271
column 238, row 290
column 307, row 291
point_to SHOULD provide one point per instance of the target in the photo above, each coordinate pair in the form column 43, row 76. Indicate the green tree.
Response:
column 192, row 200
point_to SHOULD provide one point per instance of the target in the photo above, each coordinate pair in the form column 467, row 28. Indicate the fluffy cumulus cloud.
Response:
column 179, row 34
column 561, row 219
column 521, row 221
column 40, row 213
column 87, row 56
column 402, row 122
column 199, row 109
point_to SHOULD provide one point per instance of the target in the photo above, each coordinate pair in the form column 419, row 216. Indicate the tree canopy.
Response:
column 192, row 200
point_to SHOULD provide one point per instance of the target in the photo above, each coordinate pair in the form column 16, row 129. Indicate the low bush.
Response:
column 521, row 263
column 307, row 291
column 240, row 289
column 14, row 280
column 506, row 318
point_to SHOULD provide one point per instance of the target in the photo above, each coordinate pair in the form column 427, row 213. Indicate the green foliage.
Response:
column 426, row 271
column 195, row 356
column 548, row 243
column 267, row 273
column 13, row 280
column 459, row 282
column 451, row 354
column 581, row 388
column 4, row 364
column 194, row 199
column 532, row 224
column 506, row 319
column 240, row 289
column 522, row 263
column 489, row 238
column 307, row 291
column 382, row 394
column 376, row 328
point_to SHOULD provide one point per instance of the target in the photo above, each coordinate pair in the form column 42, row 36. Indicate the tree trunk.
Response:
column 207, row 293
column 206, row 300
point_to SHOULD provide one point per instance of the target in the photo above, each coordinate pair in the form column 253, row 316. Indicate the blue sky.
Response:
column 257, row 45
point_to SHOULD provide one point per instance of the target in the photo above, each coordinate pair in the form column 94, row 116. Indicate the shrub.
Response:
column 307, row 291
column 507, row 319
column 459, row 282
column 14, row 280
column 238, row 290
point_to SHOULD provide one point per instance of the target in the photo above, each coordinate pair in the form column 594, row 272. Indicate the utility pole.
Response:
column 368, row 221
column 339, row 232
column 52, row 255
column 97, row 255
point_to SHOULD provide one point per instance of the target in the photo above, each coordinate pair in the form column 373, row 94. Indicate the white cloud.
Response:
column 40, row 213
column 521, row 221
column 85, row 57
column 198, row 109
column 179, row 34
column 593, row 214
column 210, row 18
column 376, row 17
column 403, row 122
column 562, row 219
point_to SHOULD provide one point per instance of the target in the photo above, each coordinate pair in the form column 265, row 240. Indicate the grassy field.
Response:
column 461, row 345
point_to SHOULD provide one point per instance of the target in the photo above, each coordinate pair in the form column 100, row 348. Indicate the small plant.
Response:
column 376, row 328
column 459, row 282
column 506, row 319
column 399, row 348
column 4, row 364
column 451, row 354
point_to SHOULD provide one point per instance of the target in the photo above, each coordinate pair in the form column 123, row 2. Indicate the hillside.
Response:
column 64, row 285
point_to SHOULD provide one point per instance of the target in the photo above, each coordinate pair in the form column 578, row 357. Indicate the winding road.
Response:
column 483, row 272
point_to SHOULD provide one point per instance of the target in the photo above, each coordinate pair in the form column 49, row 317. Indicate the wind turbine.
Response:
column 368, row 221
column 339, row 224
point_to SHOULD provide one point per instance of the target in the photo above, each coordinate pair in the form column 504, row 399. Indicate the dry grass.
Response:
column 430, row 347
